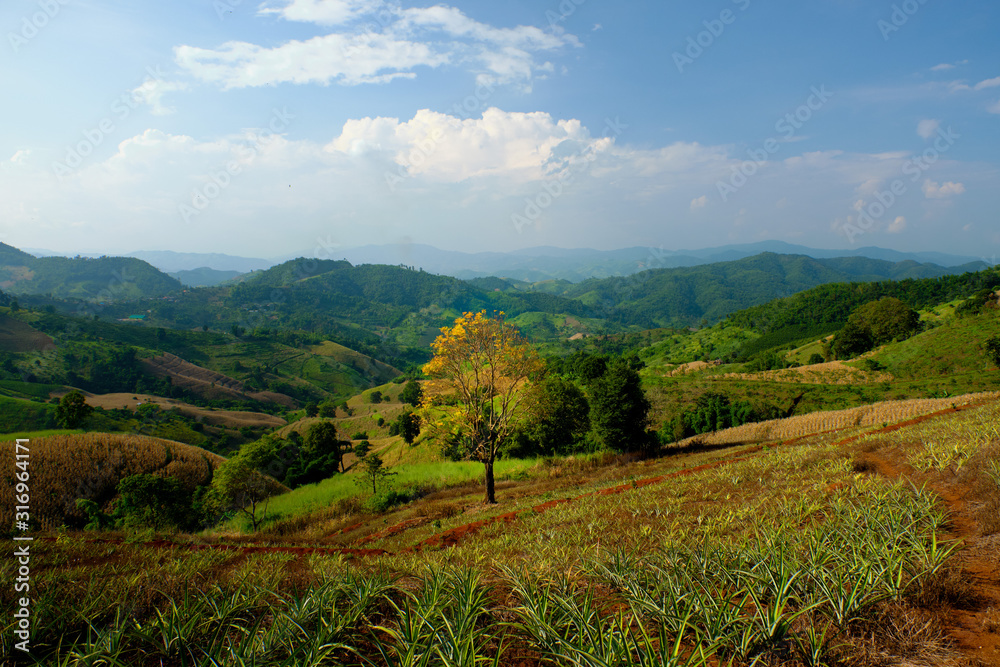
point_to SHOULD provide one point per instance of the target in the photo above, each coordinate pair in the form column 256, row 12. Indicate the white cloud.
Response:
column 942, row 67
column 897, row 225
column 928, row 128
column 934, row 190
column 151, row 92
column 700, row 202
column 988, row 83
column 325, row 12
column 995, row 108
column 345, row 59
column 392, row 43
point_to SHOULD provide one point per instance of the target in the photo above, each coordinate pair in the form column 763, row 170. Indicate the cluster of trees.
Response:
column 503, row 399
column 873, row 324
column 714, row 412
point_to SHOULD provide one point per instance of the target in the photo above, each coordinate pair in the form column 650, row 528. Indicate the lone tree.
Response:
column 241, row 485
column 412, row 393
column 73, row 410
column 374, row 471
column 487, row 363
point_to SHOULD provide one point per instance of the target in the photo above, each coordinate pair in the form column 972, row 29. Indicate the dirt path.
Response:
column 966, row 625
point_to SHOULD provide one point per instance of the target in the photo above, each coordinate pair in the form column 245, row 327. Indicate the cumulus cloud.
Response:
column 700, row 202
column 387, row 43
column 928, row 128
column 934, row 190
column 897, row 225
column 151, row 92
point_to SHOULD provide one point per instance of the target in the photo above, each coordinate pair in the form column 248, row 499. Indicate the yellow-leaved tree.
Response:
column 486, row 363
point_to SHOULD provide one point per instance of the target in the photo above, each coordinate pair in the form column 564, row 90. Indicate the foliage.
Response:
column 407, row 424
column 874, row 324
column 619, row 409
column 558, row 420
column 374, row 472
column 146, row 500
column 993, row 350
column 714, row 412
column 412, row 393
column 375, row 397
column 487, row 364
column 240, row 483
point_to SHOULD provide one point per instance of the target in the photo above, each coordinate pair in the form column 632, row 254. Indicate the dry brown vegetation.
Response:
column 230, row 418
column 832, row 372
column 207, row 382
column 16, row 336
column 64, row 468
column 877, row 414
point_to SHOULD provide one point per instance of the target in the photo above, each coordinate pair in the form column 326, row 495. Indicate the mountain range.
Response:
column 530, row 264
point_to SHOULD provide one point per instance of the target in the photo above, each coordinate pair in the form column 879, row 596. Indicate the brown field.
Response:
column 64, row 468
column 876, row 414
column 16, row 336
column 207, row 382
column 832, row 372
column 230, row 418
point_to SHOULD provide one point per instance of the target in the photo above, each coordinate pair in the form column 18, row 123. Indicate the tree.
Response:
column 875, row 323
column 362, row 448
column 240, row 483
column 312, row 409
column 145, row 500
column 375, row 397
column 327, row 410
column 322, row 442
column 412, row 393
column 560, row 416
column 73, row 410
column 487, row 364
column 374, row 471
column 619, row 410
column 993, row 349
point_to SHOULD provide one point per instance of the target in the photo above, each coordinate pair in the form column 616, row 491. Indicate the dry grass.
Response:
column 64, row 468
column 877, row 414
column 230, row 418
column 833, row 372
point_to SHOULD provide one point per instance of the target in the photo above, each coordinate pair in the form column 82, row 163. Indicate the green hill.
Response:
column 100, row 279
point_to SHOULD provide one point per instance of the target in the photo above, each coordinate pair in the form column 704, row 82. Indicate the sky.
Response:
column 304, row 126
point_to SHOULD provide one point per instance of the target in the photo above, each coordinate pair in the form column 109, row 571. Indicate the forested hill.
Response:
column 101, row 278
column 665, row 297
column 832, row 304
column 378, row 295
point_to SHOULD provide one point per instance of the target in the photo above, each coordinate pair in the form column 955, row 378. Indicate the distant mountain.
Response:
column 204, row 277
column 579, row 264
column 101, row 278
column 664, row 297
column 173, row 262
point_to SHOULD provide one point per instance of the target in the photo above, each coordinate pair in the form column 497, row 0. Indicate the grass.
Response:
column 425, row 476
column 754, row 562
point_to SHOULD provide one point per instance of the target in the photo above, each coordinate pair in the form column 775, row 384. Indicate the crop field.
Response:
column 853, row 547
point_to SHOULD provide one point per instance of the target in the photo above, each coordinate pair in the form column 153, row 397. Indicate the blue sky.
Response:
column 298, row 126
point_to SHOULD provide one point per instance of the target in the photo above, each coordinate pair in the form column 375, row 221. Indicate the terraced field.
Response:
column 864, row 545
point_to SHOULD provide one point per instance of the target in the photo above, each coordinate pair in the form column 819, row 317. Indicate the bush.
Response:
column 386, row 500
column 816, row 358
column 360, row 435
column 375, row 397
column 993, row 350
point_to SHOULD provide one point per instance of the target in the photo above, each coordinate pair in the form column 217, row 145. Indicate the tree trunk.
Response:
column 491, row 498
